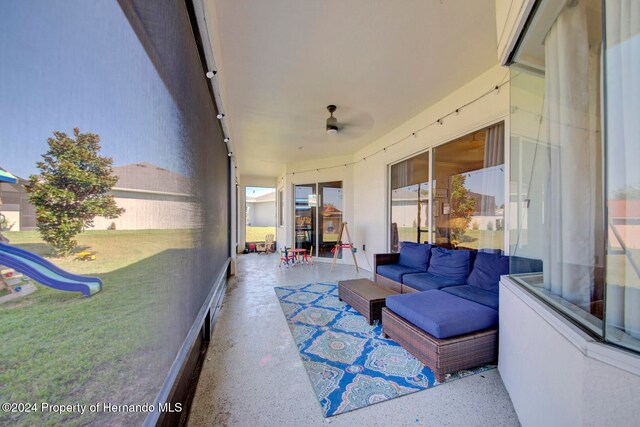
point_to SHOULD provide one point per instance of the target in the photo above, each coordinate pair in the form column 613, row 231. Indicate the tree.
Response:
column 463, row 205
column 629, row 192
column 71, row 189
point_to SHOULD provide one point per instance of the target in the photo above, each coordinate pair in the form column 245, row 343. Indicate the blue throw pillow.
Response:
column 449, row 263
column 487, row 270
column 415, row 256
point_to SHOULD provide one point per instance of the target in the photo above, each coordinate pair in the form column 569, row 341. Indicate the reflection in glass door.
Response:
column 410, row 191
column 318, row 216
column 305, row 215
column 329, row 217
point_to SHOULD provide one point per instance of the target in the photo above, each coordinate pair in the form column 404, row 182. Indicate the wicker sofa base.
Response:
column 442, row 356
column 388, row 283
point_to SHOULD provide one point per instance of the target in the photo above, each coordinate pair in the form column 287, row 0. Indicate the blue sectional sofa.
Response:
column 446, row 312
column 423, row 267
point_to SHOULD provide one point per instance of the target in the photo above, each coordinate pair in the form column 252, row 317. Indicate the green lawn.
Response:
column 256, row 234
column 491, row 239
column 114, row 347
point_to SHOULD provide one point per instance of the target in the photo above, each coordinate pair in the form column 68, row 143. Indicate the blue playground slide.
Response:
column 47, row 273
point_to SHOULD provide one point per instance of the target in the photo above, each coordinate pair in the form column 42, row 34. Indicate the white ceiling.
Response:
column 281, row 62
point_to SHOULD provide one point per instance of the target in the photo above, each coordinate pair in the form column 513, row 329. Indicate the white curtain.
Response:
column 494, row 146
column 623, row 151
column 570, row 165
column 492, row 181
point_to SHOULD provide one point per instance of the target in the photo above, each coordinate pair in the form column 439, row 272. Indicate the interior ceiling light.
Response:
column 332, row 122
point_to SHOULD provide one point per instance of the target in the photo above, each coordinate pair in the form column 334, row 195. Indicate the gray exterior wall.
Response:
column 262, row 214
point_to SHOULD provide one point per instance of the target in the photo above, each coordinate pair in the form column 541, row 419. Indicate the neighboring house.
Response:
column 19, row 213
column 261, row 210
column 153, row 198
column 624, row 224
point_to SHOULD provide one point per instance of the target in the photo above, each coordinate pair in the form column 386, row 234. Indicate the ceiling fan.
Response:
column 332, row 123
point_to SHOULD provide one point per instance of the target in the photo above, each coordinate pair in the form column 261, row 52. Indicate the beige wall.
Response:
column 151, row 211
column 556, row 374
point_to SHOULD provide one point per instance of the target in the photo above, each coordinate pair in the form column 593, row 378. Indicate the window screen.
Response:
column 126, row 74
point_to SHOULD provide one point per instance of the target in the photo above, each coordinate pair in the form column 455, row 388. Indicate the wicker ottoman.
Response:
column 442, row 356
column 365, row 296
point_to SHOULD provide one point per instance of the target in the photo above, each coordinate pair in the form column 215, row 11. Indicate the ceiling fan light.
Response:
column 332, row 125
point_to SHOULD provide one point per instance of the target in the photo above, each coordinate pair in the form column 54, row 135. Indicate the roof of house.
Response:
column 267, row 197
column 149, row 177
column 330, row 211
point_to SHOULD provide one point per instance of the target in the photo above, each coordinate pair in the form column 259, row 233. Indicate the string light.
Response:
column 440, row 122
column 211, row 73
column 220, row 116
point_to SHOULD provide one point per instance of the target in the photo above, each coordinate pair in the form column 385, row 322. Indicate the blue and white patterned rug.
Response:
column 349, row 363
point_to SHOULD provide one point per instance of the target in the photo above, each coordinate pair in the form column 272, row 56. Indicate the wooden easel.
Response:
column 340, row 245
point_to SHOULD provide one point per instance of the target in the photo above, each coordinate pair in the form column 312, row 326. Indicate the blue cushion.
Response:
column 415, row 256
column 524, row 265
column 395, row 271
column 427, row 281
column 487, row 270
column 441, row 314
column 481, row 296
column 449, row 263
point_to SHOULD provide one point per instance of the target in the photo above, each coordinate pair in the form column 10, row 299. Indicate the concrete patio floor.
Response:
column 253, row 375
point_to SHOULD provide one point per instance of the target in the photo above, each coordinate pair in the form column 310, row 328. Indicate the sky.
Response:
column 258, row 191
column 74, row 63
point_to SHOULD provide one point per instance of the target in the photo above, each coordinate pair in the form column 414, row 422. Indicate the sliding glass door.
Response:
column 306, row 202
column 465, row 190
column 318, row 216
column 329, row 217
column 468, row 177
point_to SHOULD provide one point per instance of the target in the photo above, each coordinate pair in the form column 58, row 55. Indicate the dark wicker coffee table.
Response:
column 365, row 296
